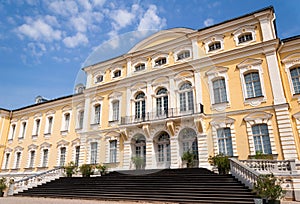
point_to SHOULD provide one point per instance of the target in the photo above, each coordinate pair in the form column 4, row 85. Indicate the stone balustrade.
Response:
column 35, row 180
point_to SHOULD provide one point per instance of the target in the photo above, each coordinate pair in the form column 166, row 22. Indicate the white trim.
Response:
column 158, row 57
column 290, row 62
column 213, row 39
column 243, row 30
column 183, row 49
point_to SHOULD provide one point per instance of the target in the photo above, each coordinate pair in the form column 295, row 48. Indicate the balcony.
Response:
column 152, row 116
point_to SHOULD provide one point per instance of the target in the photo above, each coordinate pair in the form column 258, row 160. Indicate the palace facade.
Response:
column 231, row 88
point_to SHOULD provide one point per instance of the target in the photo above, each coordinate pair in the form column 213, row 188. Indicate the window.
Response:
column 261, row 139
column 50, row 124
column 31, row 159
column 18, row 159
column 94, row 146
column 140, row 67
column 214, row 46
column 140, row 106
column 99, row 79
column 186, row 97
column 7, row 156
column 12, row 131
column 23, row 130
column 140, row 148
column 45, row 158
column 62, row 159
column 160, row 61
column 162, row 102
column 189, row 142
column 245, row 37
column 80, row 119
column 225, row 141
column 295, row 75
column 77, row 154
column 219, row 90
column 163, row 147
column 183, row 55
column 117, row 73
column 97, row 114
column 37, row 126
column 115, row 107
column 253, row 85
column 67, row 121
column 113, row 151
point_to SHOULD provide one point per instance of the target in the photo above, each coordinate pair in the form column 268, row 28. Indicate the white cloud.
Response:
column 79, row 24
column 61, row 59
column 121, row 18
column 64, row 8
column 114, row 39
column 86, row 4
column 151, row 20
column 99, row 3
column 208, row 22
column 39, row 30
column 51, row 20
column 36, row 49
column 76, row 40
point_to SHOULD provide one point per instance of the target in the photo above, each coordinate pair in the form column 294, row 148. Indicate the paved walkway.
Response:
column 29, row 200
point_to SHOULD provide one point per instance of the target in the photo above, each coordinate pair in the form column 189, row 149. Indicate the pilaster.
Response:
column 127, row 155
column 203, row 151
column 174, row 152
column 150, row 155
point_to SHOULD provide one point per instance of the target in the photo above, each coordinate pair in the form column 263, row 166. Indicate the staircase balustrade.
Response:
column 33, row 181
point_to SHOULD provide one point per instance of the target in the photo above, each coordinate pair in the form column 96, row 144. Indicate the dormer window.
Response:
column 183, row 55
column 99, row 78
column 245, row 37
column 140, row 67
column 117, row 73
column 214, row 46
column 160, row 61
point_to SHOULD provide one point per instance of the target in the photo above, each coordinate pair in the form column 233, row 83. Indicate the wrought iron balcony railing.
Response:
column 158, row 115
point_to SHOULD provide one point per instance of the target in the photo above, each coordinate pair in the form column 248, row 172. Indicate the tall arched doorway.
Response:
column 139, row 151
column 163, row 150
column 188, row 142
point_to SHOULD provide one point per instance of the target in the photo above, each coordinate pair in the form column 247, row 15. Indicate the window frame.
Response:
column 214, row 39
column 93, row 153
column 113, row 145
column 224, row 134
column 242, row 31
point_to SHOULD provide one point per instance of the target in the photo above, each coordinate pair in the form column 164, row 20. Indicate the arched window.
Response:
column 219, row 90
column 184, row 54
column 186, row 97
column 214, row 46
column 117, row 73
column 253, row 85
column 139, row 67
column 160, row 61
column 163, row 148
column 225, row 141
column 140, row 106
column 295, row 75
column 245, row 37
column 139, row 151
column 261, row 138
column 162, row 102
column 189, row 143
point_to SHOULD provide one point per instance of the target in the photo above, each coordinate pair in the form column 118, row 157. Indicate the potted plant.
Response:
column 3, row 186
column 70, row 169
column 222, row 162
column 102, row 169
column 86, row 170
column 138, row 162
column 188, row 157
column 269, row 188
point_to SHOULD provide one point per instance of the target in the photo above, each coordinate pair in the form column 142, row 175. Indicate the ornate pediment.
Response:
column 222, row 122
column 62, row 143
column 249, row 63
column 216, row 70
column 45, row 145
column 18, row 149
column 32, row 146
column 258, row 117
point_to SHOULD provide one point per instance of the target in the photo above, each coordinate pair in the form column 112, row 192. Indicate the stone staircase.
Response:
column 195, row 185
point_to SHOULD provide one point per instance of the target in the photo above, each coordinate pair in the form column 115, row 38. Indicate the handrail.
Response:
column 35, row 180
column 243, row 173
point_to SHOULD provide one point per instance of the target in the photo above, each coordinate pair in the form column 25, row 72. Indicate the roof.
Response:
column 243, row 16
column 291, row 38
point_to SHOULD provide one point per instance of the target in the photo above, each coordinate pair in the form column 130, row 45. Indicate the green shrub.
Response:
column 87, row 170
column 222, row 162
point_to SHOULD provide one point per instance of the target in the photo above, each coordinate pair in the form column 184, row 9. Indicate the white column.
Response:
column 89, row 80
column 175, row 157
column 86, row 121
column 149, row 94
column 198, row 90
column 195, row 48
column 172, row 97
column 203, row 151
column 267, row 29
column 150, row 155
column 128, row 102
column 275, row 78
column 128, row 70
column 127, row 155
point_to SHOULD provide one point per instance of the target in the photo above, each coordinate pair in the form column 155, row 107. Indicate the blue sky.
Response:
column 44, row 44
